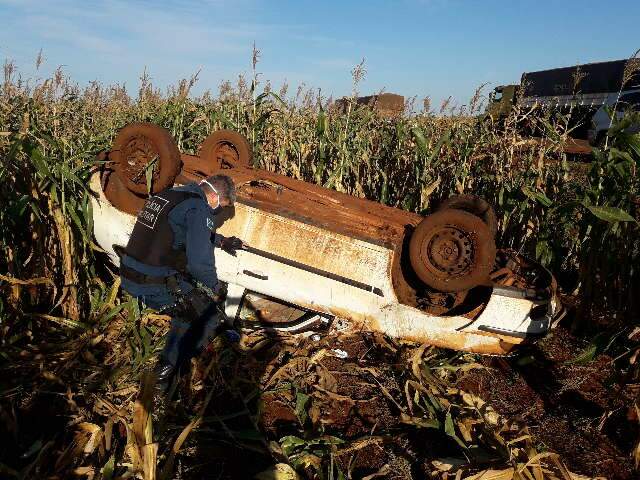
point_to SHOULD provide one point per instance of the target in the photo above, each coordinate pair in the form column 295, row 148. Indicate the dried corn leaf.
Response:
column 131, row 448
column 294, row 368
column 325, row 379
column 416, row 360
column 280, row 471
column 382, row 473
column 62, row 321
column 142, row 412
column 94, row 436
column 88, row 472
column 465, row 425
column 314, row 414
column 381, row 340
column 167, row 470
column 334, row 396
column 32, row 281
column 490, row 474
column 150, row 456
column 85, row 441
column 449, row 463
column 108, row 431
column 486, row 411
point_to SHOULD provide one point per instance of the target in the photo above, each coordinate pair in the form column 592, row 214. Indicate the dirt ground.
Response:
column 356, row 404
column 585, row 412
column 350, row 390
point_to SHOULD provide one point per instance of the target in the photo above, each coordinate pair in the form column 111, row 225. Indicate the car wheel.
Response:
column 119, row 195
column 452, row 250
column 475, row 205
column 226, row 149
column 141, row 147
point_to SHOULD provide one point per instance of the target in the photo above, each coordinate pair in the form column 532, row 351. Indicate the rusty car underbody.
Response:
column 314, row 254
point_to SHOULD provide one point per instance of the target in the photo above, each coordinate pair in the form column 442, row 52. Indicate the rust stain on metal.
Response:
column 335, row 211
column 118, row 194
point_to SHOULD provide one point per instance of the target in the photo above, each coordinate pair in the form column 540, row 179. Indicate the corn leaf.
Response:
column 610, row 214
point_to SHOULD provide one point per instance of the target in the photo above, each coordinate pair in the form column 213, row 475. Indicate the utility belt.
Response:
column 190, row 305
column 137, row 277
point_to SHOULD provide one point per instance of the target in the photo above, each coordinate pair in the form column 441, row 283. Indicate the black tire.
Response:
column 452, row 251
column 475, row 205
column 226, row 149
column 135, row 146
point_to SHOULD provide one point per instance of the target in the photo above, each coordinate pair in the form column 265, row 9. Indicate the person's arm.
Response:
column 217, row 239
column 199, row 249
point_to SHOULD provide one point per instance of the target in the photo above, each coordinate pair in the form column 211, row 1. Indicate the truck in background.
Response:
column 587, row 91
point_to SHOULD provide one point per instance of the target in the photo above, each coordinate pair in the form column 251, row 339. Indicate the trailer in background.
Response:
column 386, row 105
column 585, row 91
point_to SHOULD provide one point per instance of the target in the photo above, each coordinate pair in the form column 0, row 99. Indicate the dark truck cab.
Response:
column 501, row 101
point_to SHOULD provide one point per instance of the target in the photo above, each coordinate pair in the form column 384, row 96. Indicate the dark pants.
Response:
column 187, row 336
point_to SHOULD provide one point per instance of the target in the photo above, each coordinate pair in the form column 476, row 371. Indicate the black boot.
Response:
column 168, row 363
column 165, row 373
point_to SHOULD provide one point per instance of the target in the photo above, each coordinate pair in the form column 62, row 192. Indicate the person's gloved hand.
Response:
column 231, row 244
column 220, row 294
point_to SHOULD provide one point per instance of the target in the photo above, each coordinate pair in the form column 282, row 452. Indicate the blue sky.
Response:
column 412, row 47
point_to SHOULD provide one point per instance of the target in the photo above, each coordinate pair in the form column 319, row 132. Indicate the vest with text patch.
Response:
column 151, row 240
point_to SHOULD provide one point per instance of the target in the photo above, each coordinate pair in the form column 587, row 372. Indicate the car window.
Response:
column 497, row 95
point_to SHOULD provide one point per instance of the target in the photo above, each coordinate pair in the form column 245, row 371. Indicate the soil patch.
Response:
column 582, row 412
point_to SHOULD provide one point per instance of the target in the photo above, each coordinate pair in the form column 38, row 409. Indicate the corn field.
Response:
column 63, row 318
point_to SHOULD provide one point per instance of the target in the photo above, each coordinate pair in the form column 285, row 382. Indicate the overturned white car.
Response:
column 314, row 254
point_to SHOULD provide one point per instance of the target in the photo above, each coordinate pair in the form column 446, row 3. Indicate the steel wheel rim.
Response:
column 448, row 252
column 226, row 154
column 136, row 155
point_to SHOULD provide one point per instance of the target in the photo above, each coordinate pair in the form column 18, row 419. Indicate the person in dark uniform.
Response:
column 168, row 264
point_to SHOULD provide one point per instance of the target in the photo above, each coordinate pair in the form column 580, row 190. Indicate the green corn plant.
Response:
column 610, row 230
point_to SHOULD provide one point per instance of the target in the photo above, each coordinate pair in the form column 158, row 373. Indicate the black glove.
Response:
column 221, row 293
column 231, row 244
